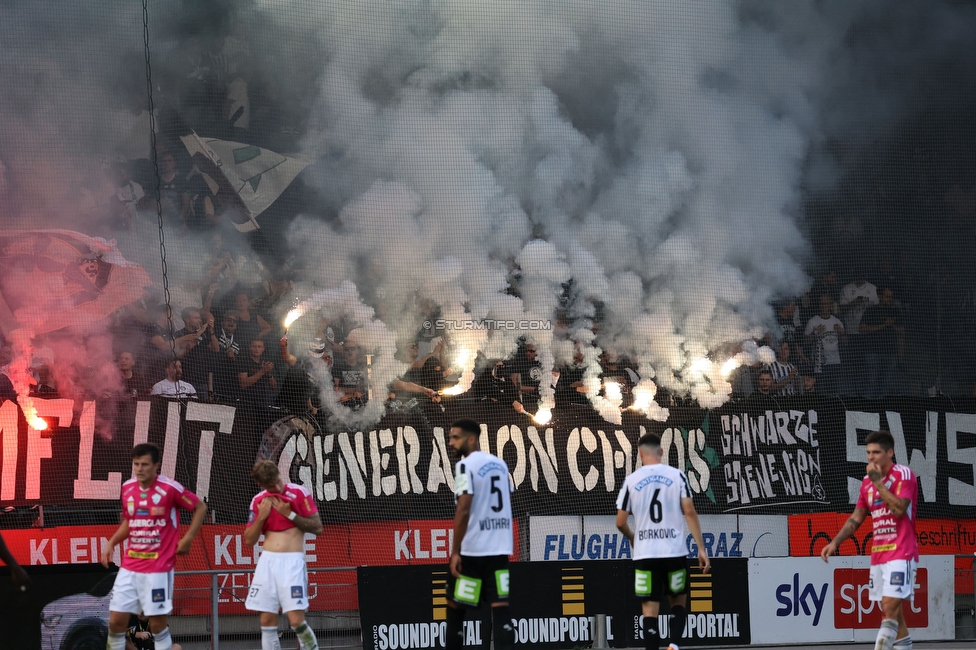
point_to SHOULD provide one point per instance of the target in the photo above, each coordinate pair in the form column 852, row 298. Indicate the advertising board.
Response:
column 805, row 600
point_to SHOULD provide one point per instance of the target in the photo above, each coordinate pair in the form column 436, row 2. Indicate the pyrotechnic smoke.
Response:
column 635, row 169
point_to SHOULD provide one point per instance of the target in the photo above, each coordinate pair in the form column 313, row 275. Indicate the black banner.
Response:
column 552, row 605
column 786, row 456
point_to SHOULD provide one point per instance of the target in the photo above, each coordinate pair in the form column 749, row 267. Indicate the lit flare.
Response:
column 292, row 316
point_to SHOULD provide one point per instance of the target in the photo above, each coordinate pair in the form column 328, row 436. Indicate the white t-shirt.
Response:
column 828, row 341
column 485, row 478
column 848, row 295
column 653, row 495
column 168, row 388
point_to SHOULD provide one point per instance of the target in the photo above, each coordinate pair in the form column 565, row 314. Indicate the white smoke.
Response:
column 478, row 155
column 461, row 132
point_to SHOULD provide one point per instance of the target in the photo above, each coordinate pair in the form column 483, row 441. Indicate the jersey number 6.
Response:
column 657, row 510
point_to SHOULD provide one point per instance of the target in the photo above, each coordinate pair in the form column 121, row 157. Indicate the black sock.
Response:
column 652, row 640
column 455, row 629
column 501, row 625
column 677, row 623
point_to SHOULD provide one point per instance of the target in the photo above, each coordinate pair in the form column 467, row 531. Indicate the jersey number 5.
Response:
column 498, row 494
column 657, row 510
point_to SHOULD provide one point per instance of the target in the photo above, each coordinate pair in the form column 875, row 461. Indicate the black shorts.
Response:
column 483, row 579
column 656, row 576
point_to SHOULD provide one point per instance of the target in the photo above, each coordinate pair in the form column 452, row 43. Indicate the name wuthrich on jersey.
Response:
column 653, row 494
column 485, row 478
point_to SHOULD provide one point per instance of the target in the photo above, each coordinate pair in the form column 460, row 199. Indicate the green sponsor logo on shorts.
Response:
column 677, row 580
column 467, row 590
column 501, row 582
column 642, row 582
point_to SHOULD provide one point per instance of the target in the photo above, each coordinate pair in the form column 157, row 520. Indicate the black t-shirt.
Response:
column 198, row 360
column 136, row 625
column 565, row 391
column 431, row 375
column 298, row 387
column 260, row 393
column 350, row 376
column 7, row 389
column 885, row 340
column 788, row 329
column 135, row 386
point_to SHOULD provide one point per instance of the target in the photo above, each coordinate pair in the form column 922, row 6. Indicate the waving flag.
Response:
column 242, row 176
column 50, row 279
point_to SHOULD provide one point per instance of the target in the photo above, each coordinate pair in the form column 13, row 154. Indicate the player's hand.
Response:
column 20, row 577
column 183, row 548
column 282, row 506
column 828, row 550
column 143, row 635
column 107, row 555
column 704, row 563
column 264, row 508
column 873, row 472
column 456, row 565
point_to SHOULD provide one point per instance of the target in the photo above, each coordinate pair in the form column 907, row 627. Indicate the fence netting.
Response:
column 320, row 232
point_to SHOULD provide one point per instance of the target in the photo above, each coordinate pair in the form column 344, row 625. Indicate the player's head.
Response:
column 265, row 473
column 145, row 461
column 649, row 448
column 880, row 448
column 464, row 436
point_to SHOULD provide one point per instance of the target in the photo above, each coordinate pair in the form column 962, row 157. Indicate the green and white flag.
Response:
column 243, row 176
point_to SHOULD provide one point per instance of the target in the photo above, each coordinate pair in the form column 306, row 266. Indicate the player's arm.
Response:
column 854, row 521
column 17, row 572
column 462, row 514
column 896, row 504
column 691, row 516
column 116, row 539
column 199, row 512
column 253, row 531
column 623, row 526
column 310, row 523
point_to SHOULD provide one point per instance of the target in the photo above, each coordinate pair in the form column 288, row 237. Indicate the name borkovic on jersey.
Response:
column 658, row 533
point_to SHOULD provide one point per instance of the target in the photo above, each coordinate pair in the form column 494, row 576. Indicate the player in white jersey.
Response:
column 482, row 538
column 659, row 497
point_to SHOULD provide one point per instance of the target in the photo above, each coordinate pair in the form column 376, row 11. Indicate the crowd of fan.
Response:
column 222, row 340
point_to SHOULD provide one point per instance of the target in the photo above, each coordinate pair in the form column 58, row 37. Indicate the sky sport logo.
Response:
column 488, row 324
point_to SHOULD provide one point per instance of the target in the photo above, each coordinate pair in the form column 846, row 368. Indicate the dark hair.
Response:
column 651, row 440
column 467, row 425
column 147, row 449
column 880, row 438
column 189, row 310
column 766, row 371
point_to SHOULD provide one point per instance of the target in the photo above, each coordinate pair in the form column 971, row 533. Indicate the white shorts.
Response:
column 280, row 582
column 142, row 593
column 894, row 579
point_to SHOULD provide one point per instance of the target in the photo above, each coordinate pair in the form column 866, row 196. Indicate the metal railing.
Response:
column 337, row 625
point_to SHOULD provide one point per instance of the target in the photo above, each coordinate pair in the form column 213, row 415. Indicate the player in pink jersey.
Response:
column 888, row 492
column 284, row 512
column 151, row 522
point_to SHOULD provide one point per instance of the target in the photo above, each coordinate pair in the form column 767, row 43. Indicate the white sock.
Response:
column 306, row 635
column 163, row 641
column 269, row 638
column 886, row 634
column 904, row 643
column 115, row 641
